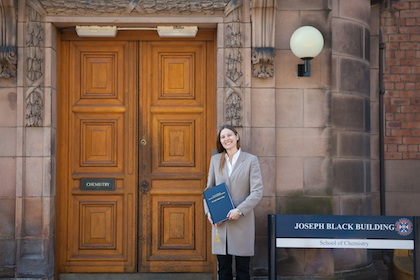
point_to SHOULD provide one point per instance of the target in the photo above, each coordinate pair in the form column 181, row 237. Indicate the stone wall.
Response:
column 317, row 128
column 316, row 137
column 27, row 122
column 8, row 137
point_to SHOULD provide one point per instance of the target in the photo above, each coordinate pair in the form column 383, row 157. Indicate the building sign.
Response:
column 97, row 184
column 340, row 231
column 332, row 231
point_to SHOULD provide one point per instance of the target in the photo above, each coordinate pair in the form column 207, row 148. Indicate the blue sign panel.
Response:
column 337, row 226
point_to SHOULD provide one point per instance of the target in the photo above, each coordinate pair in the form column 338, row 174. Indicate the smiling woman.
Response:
column 240, row 171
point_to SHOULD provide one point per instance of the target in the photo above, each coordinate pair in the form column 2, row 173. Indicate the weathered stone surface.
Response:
column 348, row 176
column 7, row 210
column 8, row 140
column 354, row 76
column 402, row 203
column 8, row 180
column 302, row 4
column 32, row 218
column 8, row 105
column 317, row 176
column 350, row 258
column 317, row 108
column 347, row 112
column 358, row 10
column 305, row 205
column 302, row 142
column 7, row 258
column 289, row 175
column 348, row 38
column 125, row 7
column 289, row 108
column 262, row 99
column 403, row 176
column 265, row 137
column 354, row 204
column 35, row 258
column 268, row 170
column 351, row 144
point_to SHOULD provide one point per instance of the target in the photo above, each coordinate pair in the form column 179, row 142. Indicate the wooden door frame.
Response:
column 211, row 102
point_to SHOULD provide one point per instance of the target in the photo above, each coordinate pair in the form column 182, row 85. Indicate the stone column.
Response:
column 350, row 116
column 351, row 107
column 8, row 139
column 35, row 193
column 323, row 128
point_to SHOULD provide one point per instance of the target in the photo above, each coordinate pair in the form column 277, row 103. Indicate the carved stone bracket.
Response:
column 8, row 50
column 263, row 62
column 263, row 14
column 34, row 68
column 234, row 63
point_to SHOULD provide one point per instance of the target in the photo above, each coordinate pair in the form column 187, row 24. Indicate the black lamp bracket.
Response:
column 304, row 70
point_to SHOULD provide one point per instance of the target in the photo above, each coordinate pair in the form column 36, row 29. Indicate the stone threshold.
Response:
column 136, row 276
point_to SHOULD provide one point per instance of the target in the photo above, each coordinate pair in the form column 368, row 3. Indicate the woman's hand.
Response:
column 234, row 214
column 211, row 221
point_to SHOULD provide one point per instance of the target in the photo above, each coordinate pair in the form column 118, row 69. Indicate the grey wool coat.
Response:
column 246, row 189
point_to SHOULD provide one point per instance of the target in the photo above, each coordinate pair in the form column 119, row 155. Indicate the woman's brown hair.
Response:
column 220, row 148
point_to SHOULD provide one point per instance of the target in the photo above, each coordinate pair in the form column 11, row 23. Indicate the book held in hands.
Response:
column 218, row 202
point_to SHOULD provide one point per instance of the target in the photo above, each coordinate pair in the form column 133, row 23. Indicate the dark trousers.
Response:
column 225, row 267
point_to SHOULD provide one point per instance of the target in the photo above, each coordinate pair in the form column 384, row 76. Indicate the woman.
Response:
column 242, row 175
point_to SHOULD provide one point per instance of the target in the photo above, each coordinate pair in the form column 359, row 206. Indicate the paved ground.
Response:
column 136, row 276
column 381, row 269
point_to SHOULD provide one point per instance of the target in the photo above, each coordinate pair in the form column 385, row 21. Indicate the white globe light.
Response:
column 306, row 42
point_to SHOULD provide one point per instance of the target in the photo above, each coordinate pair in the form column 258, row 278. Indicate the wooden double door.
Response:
column 136, row 121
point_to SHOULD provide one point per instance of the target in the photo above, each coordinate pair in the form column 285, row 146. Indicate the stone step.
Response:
column 136, row 276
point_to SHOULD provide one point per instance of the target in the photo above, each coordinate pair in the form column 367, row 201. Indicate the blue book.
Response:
column 218, row 202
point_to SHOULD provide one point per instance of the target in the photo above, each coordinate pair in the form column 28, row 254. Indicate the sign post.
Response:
column 416, row 248
column 272, row 252
column 340, row 231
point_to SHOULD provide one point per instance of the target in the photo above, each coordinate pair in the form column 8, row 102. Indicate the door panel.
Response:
column 141, row 113
column 97, row 140
column 174, row 121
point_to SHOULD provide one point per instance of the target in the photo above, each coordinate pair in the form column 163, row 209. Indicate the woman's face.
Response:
column 228, row 139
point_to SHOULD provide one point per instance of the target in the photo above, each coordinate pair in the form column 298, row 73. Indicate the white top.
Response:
column 234, row 160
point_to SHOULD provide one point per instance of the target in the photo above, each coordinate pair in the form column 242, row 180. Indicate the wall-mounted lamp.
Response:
column 111, row 31
column 306, row 43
